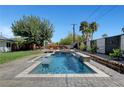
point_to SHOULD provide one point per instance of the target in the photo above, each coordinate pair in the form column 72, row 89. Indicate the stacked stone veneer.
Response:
column 109, row 63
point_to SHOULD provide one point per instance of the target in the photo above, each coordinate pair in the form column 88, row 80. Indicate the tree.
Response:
column 88, row 29
column 68, row 40
column 19, row 42
column 123, row 29
column 84, row 28
column 33, row 29
column 104, row 35
column 79, row 38
column 93, row 27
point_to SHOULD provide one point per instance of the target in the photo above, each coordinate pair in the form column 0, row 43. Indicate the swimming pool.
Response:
column 61, row 63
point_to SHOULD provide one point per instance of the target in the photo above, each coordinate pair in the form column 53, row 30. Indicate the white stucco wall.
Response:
column 3, row 47
column 101, row 45
column 122, row 42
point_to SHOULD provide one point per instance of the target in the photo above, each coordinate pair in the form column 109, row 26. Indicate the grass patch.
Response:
column 9, row 56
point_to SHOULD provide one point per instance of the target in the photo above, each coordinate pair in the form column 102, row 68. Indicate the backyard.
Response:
column 37, row 55
column 9, row 75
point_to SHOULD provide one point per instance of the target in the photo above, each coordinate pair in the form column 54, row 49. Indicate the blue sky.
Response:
column 109, row 18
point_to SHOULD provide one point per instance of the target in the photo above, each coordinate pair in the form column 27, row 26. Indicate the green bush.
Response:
column 92, row 49
column 116, row 53
column 82, row 46
column 88, row 48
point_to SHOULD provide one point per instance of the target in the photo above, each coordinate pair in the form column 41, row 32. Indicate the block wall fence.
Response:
column 106, row 45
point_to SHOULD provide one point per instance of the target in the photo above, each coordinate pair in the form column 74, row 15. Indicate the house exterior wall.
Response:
column 122, row 42
column 3, row 47
column 101, row 45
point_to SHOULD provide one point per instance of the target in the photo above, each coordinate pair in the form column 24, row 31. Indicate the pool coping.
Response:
column 26, row 72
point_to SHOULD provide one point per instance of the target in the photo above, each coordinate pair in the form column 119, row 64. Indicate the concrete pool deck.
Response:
column 9, row 71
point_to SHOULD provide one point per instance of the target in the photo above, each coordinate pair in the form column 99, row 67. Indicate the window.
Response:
column 8, row 44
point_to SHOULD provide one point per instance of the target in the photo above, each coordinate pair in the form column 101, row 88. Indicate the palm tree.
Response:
column 94, row 27
column 84, row 28
column 104, row 35
column 123, row 29
column 88, row 29
column 84, row 25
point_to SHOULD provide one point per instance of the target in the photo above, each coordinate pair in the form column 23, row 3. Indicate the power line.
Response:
column 105, row 13
column 93, row 12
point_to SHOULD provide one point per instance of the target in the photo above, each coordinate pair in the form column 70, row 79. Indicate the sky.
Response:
column 110, row 19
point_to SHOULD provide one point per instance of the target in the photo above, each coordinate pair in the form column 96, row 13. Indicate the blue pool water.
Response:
column 61, row 63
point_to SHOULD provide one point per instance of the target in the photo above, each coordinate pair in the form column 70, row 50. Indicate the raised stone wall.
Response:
column 109, row 63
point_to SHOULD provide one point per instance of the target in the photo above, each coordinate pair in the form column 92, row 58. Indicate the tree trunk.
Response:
column 92, row 36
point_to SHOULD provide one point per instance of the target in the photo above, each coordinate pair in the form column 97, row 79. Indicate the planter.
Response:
column 111, row 64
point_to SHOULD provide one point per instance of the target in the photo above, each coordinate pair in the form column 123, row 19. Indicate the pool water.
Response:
column 61, row 63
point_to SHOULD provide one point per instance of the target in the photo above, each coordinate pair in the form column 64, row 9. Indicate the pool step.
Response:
column 83, row 57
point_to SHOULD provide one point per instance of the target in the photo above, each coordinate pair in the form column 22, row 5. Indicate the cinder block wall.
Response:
column 112, row 43
column 122, row 42
column 101, row 45
column 106, row 45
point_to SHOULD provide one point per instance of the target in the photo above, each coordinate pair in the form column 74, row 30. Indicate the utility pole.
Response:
column 74, row 32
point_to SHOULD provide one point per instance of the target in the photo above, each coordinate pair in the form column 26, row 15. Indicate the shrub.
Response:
column 92, row 49
column 88, row 48
column 116, row 53
column 82, row 46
